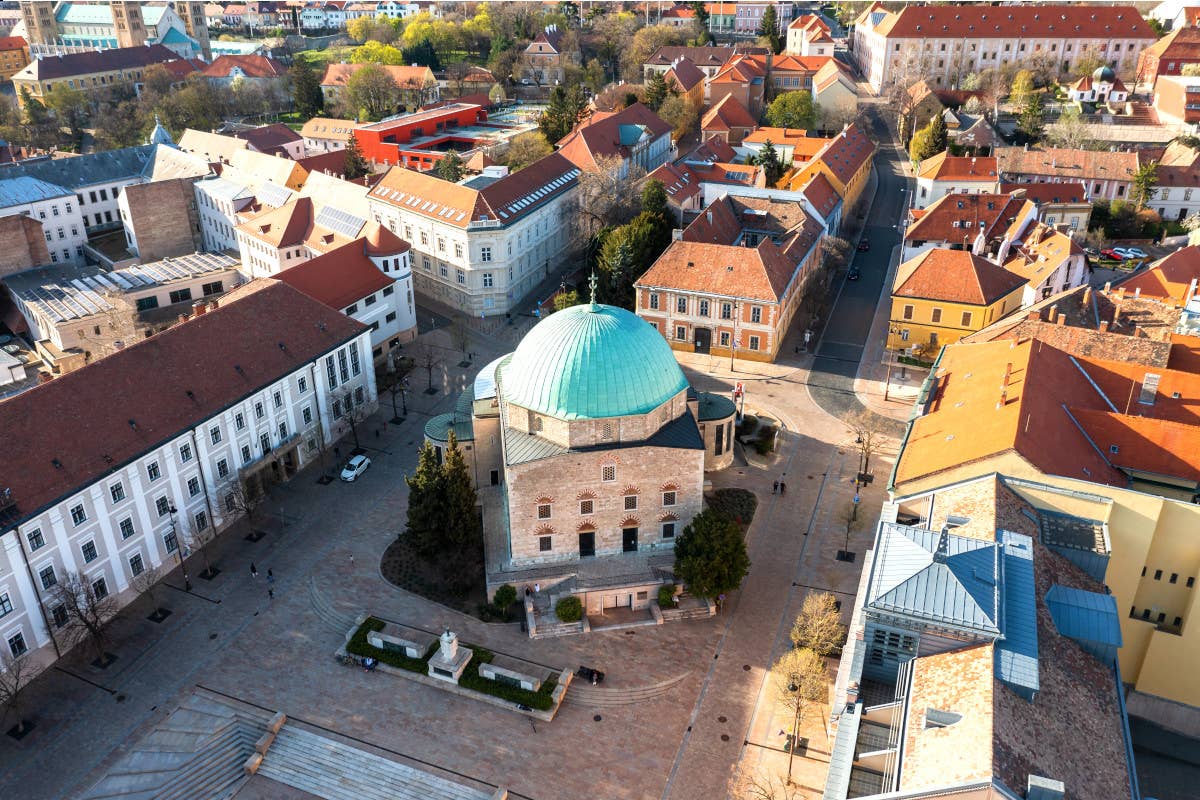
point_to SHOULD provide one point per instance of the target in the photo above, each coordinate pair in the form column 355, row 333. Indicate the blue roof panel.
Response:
column 1086, row 616
column 1016, row 662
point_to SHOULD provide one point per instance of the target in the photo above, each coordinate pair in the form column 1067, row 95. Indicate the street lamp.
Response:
column 893, row 330
column 187, row 584
column 794, row 688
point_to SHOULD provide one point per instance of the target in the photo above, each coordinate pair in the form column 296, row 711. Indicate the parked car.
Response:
column 1091, row 252
column 355, row 467
column 1135, row 252
column 1112, row 254
column 853, row 274
column 864, row 246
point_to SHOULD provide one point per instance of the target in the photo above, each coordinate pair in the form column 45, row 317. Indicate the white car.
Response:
column 355, row 467
column 1135, row 252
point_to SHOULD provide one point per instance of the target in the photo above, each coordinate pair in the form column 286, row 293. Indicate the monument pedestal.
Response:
column 449, row 662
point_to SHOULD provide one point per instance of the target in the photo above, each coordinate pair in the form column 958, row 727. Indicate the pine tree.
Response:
column 768, row 159
column 306, row 90
column 656, row 91
column 768, row 29
column 463, row 530
column 451, row 168
column 703, row 36
column 1031, row 121
column 563, row 112
column 355, row 165
column 426, row 495
column 938, row 135
column 616, row 267
column 654, row 198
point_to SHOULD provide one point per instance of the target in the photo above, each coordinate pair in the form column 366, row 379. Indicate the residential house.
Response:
column 972, row 633
column 846, row 161
column 755, row 80
column 1168, row 56
column 749, row 14
column 52, row 205
column 279, row 238
column 1049, row 260
column 708, row 59
column 544, row 61
column 14, row 55
column 719, row 178
column 324, row 134
column 944, row 44
column 687, row 80
column 418, row 86
column 481, row 245
column 733, row 283
column 112, row 492
column 943, row 295
column 808, row 35
column 793, row 145
column 96, row 72
column 253, row 70
column 721, row 17
column 1177, row 193
column 1105, row 175
column 835, row 94
column 684, row 193
column 920, row 105
column 368, row 279
column 1057, row 203
column 275, row 139
column 682, row 17
column 220, row 201
column 956, row 221
column 1176, row 101
column 727, row 120
column 824, row 201
column 637, row 137
column 944, row 174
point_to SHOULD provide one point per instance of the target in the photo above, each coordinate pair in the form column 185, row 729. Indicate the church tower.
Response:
column 128, row 24
column 40, row 24
column 192, row 14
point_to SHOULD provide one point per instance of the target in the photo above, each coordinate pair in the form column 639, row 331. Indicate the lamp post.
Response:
column 733, row 339
column 794, row 688
column 893, row 330
column 187, row 584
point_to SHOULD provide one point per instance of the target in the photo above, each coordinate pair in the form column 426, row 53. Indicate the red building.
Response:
column 1169, row 55
column 418, row 141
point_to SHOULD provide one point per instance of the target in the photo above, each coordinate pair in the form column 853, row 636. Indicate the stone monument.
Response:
column 448, row 663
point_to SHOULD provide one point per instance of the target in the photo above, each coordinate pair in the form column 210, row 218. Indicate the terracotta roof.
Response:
column 609, row 135
column 1069, row 164
column 1144, row 444
column 822, row 194
column 199, row 368
column 679, row 12
column 740, row 70
column 833, row 70
column 1168, row 279
column 804, row 146
column 336, row 75
column 957, row 217
column 847, row 153
column 945, row 167
column 1181, row 43
column 679, row 181
column 728, row 217
column 981, row 21
column 339, row 277
column 332, row 162
column 715, row 149
column 746, row 66
column 269, row 138
column 980, row 134
column 955, row 276
column 809, row 21
column 479, row 161
column 1122, row 380
column 727, row 114
column 251, row 66
column 700, row 56
column 293, row 224
column 1042, row 251
column 123, row 58
column 730, row 174
column 329, row 128
column 686, row 74
column 459, row 205
column 13, row 43
column 1041, row 193
column 379, row 241
column 761, row 273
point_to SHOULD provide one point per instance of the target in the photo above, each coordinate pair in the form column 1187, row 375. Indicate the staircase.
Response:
column 694, row 610
column 325, row 610
column 602, row 697
column 330, row 769
column 197, row 751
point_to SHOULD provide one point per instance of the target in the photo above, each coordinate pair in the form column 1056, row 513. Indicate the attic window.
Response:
column 1114, row 449
column 954, row 521
column 936, row 718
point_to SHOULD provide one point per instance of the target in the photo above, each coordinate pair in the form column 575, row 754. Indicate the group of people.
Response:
column 779, row 487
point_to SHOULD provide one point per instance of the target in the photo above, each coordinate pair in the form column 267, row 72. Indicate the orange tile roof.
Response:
column 822, row 194
column 600, row 137
column 803, row 146
column 732, row 174
column 1156, row 446
column 954, row 276
column 679, row 181
column 752, row 273
column 336, row 75
column 1041, row 193
column 945, row 167
column 955, row 218
column 728, row 113
column 833, row 70
column 292, row 224
column 1121, row 382
column 1169, row 279
column 847, row 153
column 785, row 222
column 809, row 21
column 252, row 66
column 339, row 277
column 1072, row 165
column 1042, row 252
column 970, row 21
column 1185, row 353
column 700, row 56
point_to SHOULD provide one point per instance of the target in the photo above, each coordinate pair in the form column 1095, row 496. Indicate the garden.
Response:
column 758, row 433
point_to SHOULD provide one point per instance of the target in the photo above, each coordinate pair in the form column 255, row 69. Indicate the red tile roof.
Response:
column 336, row 75
column 1169, row 279
column 1041, row 193
column 945, row 167
column 847, row 153
column 1073, row 165
column 679, row 181
column 55, row 67
column 822, row 194
column 685, row 73
column 955, row 218
column 954, row 276
column 971, row 21
column 727, row 114
column 199, row 368
column 760, row 273
column 601, row 136
column 13, row 43
column 338, row 278
column 1185, row 353
column 251, row 66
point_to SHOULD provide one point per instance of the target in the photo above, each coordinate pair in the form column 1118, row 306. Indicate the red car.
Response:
column 1112, row 254
column 864, row 246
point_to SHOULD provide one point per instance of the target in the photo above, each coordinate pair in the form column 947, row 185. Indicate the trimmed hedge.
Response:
column 738, row 505
column 569, row 609
column 748, row 425
column 359, row 646
column 766, row 440
column 471, row 679
column 666, row 596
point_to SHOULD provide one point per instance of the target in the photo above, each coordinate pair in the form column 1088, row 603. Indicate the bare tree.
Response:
column 461, row 334
column 343, row 408
column 146, row 582
column 16, row 673
column 241, row 497
column 801, row 682
column 605, row 198
column 457, row 75
column 771, row 787
column 818, row 626
column 427, row 358
column 863, row 424
column 199, row 540
column 89, row 607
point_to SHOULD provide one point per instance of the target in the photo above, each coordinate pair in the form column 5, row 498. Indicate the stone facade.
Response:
column 154, row 217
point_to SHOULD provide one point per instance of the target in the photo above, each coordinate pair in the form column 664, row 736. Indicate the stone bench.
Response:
column 386, row 641
column 510, row 677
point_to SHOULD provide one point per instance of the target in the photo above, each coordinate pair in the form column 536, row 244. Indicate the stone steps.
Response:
column 331, row 769
column 547, row 630
column 326, row 611
column 585, row 694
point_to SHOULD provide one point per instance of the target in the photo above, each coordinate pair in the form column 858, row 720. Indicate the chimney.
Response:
column 1052, row 317
column 1087, row 295
column 1062, row 319
column 1107, row 287
column 199, row 307
column 183, row 317
column 1003, row 399
column 1040, row 788
column 1104, row 326
column 212, row 305
column 1137, row 292
column 1121, row 293
column 1035, row 316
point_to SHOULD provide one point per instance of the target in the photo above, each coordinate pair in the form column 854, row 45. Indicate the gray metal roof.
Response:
column 1085, row 616
column 24, row 189
column 226, row 189
column 947, row 579
column 1016, row 652
column 682, row 433
column 75, row 172
column 714, row 406
column 167, row 162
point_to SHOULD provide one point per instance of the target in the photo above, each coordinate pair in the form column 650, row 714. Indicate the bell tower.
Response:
column 40, row 24
column 192, row 14
column 128, row 24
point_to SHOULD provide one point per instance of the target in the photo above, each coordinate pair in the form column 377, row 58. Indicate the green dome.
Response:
column 592, row 361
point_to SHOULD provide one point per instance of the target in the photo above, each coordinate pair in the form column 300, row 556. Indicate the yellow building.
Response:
column 14, row 54
column 846, row 161
column 943, row 295
column 97, row 72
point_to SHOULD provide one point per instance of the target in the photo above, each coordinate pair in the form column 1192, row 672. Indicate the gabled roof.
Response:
column 13, row 43
column 612, row 135
column 761, row 273
column 831, row 72
column 339, row 277
column 847, row 153
column 686, row 74
column 1070, row 164
column 89, row 169
column 1168, row 279
column 954, row 276
column 122, row 58
column 804, row 147
column 822, row 194
column 1042, row 251
column 700, row 56
column 269, row 138
column 726, row 115
column 982, row 21
column 251, row 66
column 329, row 128
column 24, row 189
column 336, row 75
column 678, row 180
column 200, row 367
column 216, row 147
column 1181, row 43
column 945, row 167
column 1042, row 193
column 957, row 217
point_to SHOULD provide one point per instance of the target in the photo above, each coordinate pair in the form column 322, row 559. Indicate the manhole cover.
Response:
column 722, row 719
column 724, row 737
column 597, row 718
column 746, row 667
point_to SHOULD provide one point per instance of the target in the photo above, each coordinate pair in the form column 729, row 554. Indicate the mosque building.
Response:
column 589, row 450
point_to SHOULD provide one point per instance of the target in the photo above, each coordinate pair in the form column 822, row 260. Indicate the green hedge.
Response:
column 738, row 505
column 569, row 609
column 666, row 596
column 748, row 425
column 471, row 679
column 359, row 646
column 766, row 440
column 914, row 362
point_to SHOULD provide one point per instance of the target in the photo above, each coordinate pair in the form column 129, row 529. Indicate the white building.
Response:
column 116, row 490
column 944, row 174
column 55, row 207
column 325, row 134
column 482, row 244
column 219, row 200
column 944, row 44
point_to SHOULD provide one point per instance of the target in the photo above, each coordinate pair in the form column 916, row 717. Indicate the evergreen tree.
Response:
column 461, row 524
column 1144, row 182
column 616, row 268
column 423, row 54
column 306, row 90
column 938, row 136
column 1031, row 122
column 426, row 497
column 768, row 29
column 451, row 168
column 657, row 91
column 563, row 112
column 654, row 198
column 710, row 555
column 768, row 159
column 928, row 141
column 703, row 36
column 355, row 165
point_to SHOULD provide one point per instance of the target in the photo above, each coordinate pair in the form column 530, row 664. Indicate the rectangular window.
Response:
column 136, row 567
column 753, row 342
column 370, row 301
column 181, row 295
column 89, row 552
column 388, row 291
column 681, row 305
column 443, row 271
column 966, row 319
column 170, row 541
column 458, row 250
column 201, row 520
column 78, row 515
column 654, row 300
column 100, row 588
column 343, row 366
column 216, row 287
column 17, row 646
column 278, row 398
column 147, row 303
column 185, row 453
column 47, row 577
column 239, row 421
column 935, row 315
column 907, row 313
column 485, row 254
column 282, row 431
column 193, row 485
column 424, row 237
column 756, row 314
column 488, row 280
column 585, row 507
column 703, row 308
column 1174, row 577
column 359, row 395
column 222, row 468
column 543, row 511
column 36, row 540
column 668, row 498
column 1158, row 574
column 117, row 491
column 331, row 370
column 163, row 506
column 441, row 244
column 5, row 605
column 153, row 471
column 306, row 415
column 390, row 318
column 726, row 310
column 59, row 615
column 214, row 434
column 355, row 366
column 724, row 338
column 259, row 411
column 631, row 502
column 544, row 544
column 608, row 474
column 126, row 527
column 264, row 442
column 680, row 333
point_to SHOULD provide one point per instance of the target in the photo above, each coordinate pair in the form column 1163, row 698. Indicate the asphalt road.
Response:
column 832, row 380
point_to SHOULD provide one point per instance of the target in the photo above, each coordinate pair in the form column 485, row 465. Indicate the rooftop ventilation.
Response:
column 56, row 463
column 1149, row 388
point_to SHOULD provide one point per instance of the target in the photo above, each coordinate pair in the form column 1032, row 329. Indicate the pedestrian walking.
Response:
column 270, row 577
column 270, row 593
column 775, row 488
column 253, row 570
column 352, row 558
column 782, row 487
column 537, row 588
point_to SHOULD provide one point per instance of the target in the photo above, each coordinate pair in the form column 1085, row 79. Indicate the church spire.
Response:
column 592, row 287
